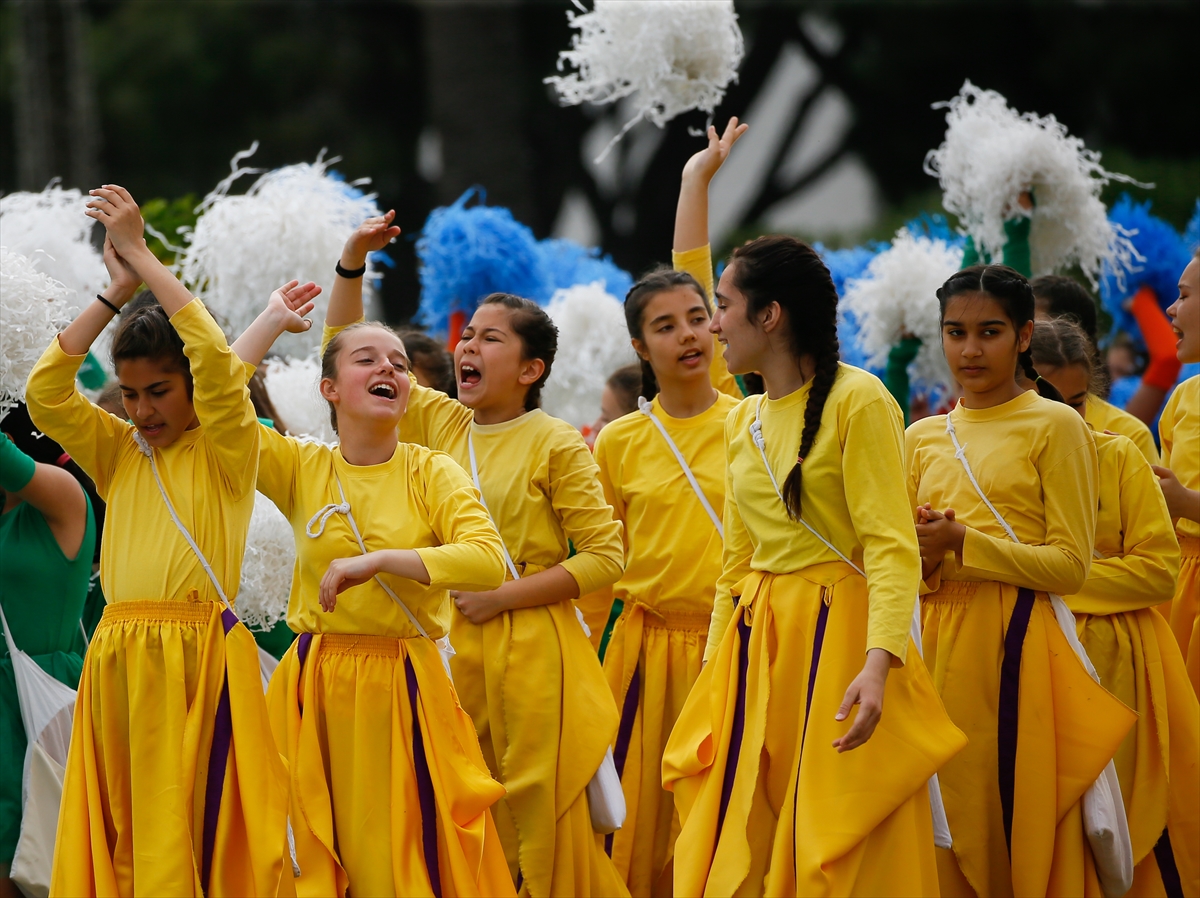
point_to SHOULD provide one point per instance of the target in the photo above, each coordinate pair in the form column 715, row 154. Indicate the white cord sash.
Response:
column 646, row 409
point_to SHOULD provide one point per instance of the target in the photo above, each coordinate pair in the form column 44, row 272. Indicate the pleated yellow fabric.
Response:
column 358, row 748
column 139, row 762
column 800, row 818
column 1185, row 608
column 545, row 719
column 1158, row 763
column 666, row 649
column 1068, row 727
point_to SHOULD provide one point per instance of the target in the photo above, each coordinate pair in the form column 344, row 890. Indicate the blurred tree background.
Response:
column 428, row 98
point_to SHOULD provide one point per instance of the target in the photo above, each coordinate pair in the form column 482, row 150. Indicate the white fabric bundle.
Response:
column 33, row 308
column 670, row 56
column 266, row 567
column 293, row 388
column 991, row 154
column 897, row 295
column 51, row 229
column 593, row 342
column 291, row 223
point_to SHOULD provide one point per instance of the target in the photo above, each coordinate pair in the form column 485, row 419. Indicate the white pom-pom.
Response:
column 593, row 342
column 290, row 224
column 267, row 567
column 33, row 308
column 293, row 387
column 669, row 56
column 897, row 296
column 991, row 154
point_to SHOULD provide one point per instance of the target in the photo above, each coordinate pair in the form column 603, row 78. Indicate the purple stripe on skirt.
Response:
column 818, row 642
column 1166, row 866
column 624, row 734
column 303, row 644
column 424, row 786
column 739, row 722
column 1010, row 694
column 218, row 760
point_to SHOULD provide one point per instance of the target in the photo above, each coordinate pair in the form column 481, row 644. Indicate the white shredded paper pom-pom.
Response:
column 266, row 567
column 991, row 154
column 293, row 385
column 670, row 56
column 290, row 224
column 33, row 308
column 897, row 295
column 593, row 342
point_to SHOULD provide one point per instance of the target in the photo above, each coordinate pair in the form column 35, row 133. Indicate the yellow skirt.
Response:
column 1158, row 764
column 768, row 806
column 1185, row 608
column 998, row 682
column 545, row 719
column 652, row 661
column 390, row 795
column 173, row 784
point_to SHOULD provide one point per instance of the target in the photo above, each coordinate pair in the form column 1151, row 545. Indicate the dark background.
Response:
column 158, row 94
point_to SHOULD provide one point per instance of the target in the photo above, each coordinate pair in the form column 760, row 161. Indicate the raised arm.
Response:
column 284, row 313
column 345, row 301
column 49, row 489
column 691, row 213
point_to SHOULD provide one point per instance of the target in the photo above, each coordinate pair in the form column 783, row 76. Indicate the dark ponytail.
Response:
column 655, row 282
column 1013, row 292
column 788, row 271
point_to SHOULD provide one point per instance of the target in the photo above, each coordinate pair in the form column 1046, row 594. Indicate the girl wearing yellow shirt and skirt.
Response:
column 1134, row 566
column 783, row 785
column 173, row 784
column 1041, row 729
column 524, row 668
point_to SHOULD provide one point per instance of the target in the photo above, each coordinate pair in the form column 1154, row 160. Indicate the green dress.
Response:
column 42, row 593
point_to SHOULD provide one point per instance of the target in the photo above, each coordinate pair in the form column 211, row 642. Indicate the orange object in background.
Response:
column 458, row 320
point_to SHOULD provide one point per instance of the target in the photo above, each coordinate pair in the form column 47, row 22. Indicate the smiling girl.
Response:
column 1005, row 671
column 390, row 793
column 173, row 785
column 524, row 669
column 1134, row 566
column 1179, row 475
column 784, row 787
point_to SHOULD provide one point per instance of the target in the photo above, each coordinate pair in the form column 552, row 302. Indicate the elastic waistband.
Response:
column 1189, row 546
column 955, row 589
column 359, row 644
column 157, row 610
column 654, row 619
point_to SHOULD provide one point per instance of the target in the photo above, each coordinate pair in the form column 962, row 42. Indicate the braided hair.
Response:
column 1013, row 293
column 788, row 271
column 649, row 286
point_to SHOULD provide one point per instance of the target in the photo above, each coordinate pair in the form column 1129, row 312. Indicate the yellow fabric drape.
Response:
column 668, row 648
column 139, row 759
column 1068, row 729
column 803, row 819
column 545, row 719
column 1158, row 763
column 346, row 721
column 1184, row 609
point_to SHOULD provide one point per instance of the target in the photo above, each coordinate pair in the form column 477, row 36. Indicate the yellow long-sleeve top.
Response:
column 1136, row 559
column 698, row 263
column 209, row 472
column 673, row 551
column 1104, row 416
column 852, row 493
column 419, row 499
column 1179, row 430
column 1035, row 460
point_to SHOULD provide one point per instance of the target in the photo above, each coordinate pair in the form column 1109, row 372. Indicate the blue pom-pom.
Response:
column 466, row 254
column 569, row 264
column 1166, row 255
column 935, row 227
column 845, row 265
column 1191, row 234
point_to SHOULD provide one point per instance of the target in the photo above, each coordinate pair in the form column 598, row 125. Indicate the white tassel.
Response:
column 267, row 567
column 33, row 308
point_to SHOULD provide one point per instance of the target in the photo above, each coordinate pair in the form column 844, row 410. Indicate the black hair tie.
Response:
column 116, row 311
column 347, row 273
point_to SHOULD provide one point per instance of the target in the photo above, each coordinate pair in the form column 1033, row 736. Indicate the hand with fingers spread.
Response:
column 691, row 212
column 937, row 534
column 291, row 302
column 372, row 235
column 114, row 208
column 342, row 574
column 703, row 165
column 866, row 691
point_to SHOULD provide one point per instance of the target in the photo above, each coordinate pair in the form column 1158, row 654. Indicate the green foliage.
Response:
column 167, row 217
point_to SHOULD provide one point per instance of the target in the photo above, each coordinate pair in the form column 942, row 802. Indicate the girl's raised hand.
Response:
column 705, row 164
column 121, row 275
column 372, row 235
column 114, row 208
column 291, row 302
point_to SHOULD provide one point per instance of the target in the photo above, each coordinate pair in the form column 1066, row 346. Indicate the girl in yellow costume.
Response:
column 524, row 669
column 1135, row 563
column 390, row 793
column 663, row 471
column 778, row 787
column 1041, row 729
column 173, row 783
column 1179, row 476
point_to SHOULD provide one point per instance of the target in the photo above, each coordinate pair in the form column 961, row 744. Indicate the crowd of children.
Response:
column 521, row 665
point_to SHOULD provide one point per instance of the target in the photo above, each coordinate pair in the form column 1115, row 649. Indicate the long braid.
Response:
column 822, row 382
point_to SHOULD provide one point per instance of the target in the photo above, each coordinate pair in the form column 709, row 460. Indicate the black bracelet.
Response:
column 109, row 304
column 347, row 273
